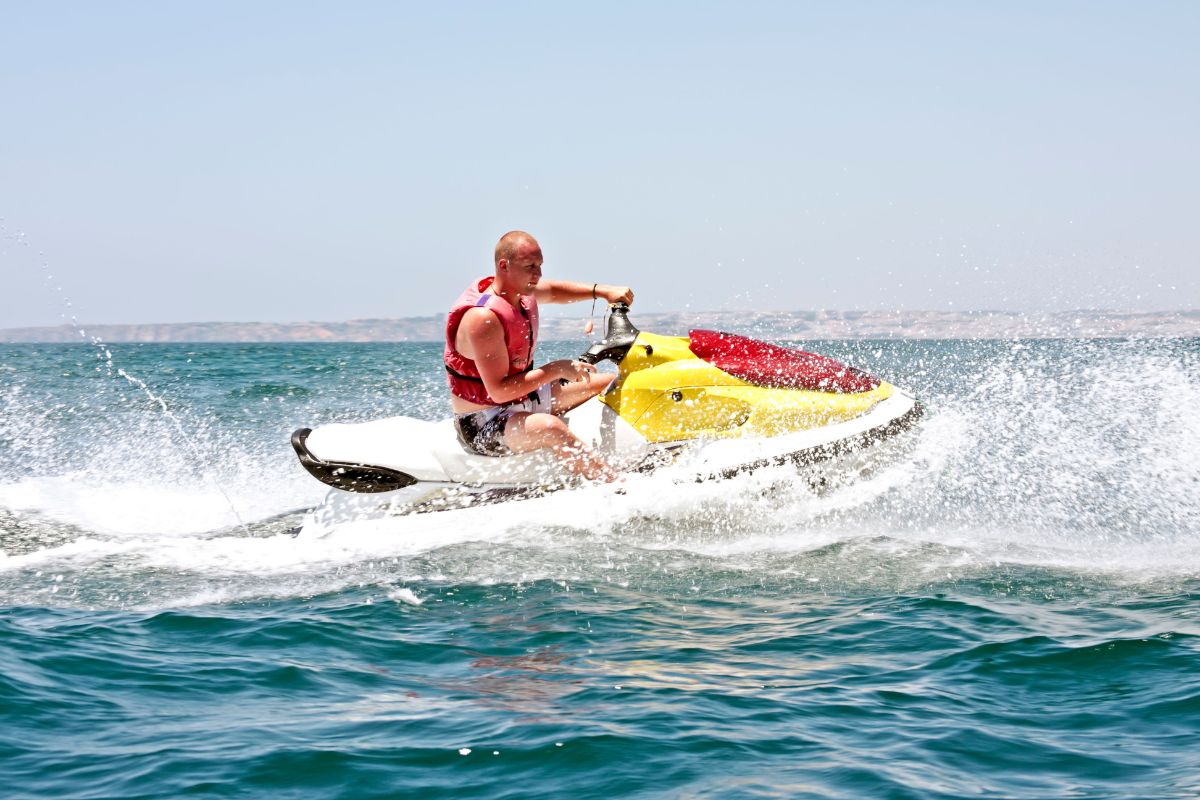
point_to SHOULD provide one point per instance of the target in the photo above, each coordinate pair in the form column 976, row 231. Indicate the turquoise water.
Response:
column 1012, row 609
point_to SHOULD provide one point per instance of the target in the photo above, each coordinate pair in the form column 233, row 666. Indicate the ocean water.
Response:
column 1010, row 609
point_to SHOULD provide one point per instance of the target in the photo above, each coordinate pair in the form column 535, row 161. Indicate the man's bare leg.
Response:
column 526, row 432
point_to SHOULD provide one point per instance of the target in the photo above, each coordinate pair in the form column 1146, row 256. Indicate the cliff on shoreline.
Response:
column 777, row 325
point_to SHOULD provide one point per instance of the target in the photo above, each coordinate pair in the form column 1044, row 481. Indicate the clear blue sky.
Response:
column 324, row 161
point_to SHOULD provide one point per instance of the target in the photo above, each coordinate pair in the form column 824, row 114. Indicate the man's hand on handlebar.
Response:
column 615, row 294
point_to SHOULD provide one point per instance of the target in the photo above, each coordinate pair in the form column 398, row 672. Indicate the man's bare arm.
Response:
column 555, row 291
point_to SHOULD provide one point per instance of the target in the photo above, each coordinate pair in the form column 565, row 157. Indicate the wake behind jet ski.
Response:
column 730, row 403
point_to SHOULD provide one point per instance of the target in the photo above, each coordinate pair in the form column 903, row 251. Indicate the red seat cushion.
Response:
column 770, row 365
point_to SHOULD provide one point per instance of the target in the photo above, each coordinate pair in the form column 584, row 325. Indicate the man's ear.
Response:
column 502, row 264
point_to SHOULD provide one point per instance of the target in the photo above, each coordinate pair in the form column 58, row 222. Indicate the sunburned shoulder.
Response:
column 480, row 316
column 480, row 322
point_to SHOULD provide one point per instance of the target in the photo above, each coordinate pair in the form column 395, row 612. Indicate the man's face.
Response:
column 525, row 268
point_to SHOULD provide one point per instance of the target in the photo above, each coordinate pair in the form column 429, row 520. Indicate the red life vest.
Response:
column 520, row 334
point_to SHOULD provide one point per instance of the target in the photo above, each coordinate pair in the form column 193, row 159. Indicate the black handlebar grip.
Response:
column 619, row 335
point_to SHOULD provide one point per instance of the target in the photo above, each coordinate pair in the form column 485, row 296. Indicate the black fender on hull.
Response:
column 359, row 478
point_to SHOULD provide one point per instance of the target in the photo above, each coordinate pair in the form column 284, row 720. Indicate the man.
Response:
column 502, row 404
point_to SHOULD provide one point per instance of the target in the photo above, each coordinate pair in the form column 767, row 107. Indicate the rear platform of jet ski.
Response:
column 396, row 452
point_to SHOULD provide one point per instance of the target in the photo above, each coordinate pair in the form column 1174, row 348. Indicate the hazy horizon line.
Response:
column 703, row 312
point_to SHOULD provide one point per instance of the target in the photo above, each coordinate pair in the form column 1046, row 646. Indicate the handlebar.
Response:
column 619, row 336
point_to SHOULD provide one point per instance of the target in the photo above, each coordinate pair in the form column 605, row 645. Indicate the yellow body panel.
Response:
column 668, row 394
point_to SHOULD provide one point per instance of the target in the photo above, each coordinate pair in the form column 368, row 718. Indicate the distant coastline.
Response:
column 778, row 325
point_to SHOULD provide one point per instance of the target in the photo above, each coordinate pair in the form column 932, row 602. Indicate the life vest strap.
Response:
column 532, row 395
column 460, row 376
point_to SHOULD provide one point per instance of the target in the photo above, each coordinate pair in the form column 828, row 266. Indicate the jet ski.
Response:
column 721, row 403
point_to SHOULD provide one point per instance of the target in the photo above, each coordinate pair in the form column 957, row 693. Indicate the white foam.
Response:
column 405, row 595
column 136, row 507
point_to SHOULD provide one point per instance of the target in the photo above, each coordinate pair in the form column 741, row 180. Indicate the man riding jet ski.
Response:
column 720, row 403
column 502, row 404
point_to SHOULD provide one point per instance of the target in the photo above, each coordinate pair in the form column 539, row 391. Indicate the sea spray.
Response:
column 103, row 352
column 1033, row 453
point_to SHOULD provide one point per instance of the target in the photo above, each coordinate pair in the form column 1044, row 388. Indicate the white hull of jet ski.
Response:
column 445, row 476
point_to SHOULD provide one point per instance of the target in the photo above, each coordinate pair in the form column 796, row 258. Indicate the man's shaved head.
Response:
column 512, row 242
